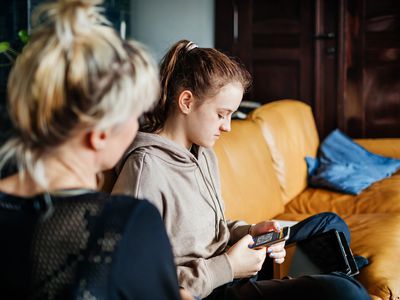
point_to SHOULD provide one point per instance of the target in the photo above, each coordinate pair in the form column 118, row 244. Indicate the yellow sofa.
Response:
column 264, row 176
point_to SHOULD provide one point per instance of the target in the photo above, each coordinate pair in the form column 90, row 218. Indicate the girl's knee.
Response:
column 330, row 217
column 334, row 221
column 343, row 287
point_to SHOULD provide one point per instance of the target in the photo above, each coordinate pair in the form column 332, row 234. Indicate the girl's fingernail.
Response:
column 272, row 255
column 269, row 250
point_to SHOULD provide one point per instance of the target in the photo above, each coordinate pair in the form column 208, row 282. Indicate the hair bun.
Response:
column 86, row 3
column 69, row 18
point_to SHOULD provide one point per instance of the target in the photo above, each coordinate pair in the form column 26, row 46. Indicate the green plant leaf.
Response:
column 23, row 36
column 4, row 46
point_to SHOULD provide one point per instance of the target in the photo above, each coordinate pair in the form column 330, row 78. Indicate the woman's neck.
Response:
column 69, row 172
column 62, row 171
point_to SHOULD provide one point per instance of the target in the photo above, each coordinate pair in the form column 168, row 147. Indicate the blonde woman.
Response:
column 75, row 94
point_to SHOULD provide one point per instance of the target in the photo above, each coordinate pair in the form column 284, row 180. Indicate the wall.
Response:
column 160, row 23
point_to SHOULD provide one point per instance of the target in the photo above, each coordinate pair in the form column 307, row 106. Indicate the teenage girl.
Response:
column 171, row 163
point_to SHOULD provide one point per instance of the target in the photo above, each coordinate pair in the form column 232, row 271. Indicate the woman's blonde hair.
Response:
column 75, row 73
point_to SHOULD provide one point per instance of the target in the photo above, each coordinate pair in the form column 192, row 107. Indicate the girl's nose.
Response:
column 226, row 126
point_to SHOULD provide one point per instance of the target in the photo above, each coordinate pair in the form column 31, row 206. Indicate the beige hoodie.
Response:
column 186, row 190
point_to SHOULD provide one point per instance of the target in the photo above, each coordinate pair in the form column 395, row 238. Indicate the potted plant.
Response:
column 8, row 52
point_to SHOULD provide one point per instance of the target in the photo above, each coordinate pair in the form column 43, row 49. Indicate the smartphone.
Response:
column 270, row 238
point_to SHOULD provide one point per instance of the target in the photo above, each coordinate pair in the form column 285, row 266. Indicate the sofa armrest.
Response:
column 385, row 147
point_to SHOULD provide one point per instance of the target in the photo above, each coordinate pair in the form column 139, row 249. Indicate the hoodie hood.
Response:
column 163, row 148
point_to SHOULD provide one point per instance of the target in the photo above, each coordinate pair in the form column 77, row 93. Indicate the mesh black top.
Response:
column 85, row 246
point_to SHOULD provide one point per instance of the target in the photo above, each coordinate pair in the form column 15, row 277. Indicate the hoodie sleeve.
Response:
column 129, row 180
column 237, row 229
column 201, row 276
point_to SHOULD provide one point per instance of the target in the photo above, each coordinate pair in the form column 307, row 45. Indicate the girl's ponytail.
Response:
column 155, row 120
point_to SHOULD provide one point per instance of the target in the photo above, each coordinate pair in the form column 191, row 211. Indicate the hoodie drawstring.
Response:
column 213, row 194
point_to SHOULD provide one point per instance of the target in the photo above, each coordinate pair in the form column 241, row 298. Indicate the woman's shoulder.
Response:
column 109, row 204
column 122, row 235
column 119, row 213
column 124, row 203
column 125, row 200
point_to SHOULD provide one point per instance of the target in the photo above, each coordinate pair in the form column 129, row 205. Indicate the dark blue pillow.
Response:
column 345, row 166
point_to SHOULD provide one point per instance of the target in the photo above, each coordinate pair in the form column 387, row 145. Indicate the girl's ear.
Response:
column 97, row 139
column 185, row 101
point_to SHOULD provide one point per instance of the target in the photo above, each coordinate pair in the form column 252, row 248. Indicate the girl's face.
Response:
column 213, row 115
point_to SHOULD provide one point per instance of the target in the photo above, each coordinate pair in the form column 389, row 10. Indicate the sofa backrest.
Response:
column 289, row 129
column 250, row 188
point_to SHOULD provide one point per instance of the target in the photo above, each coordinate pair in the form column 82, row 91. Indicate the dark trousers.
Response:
column 333, row 286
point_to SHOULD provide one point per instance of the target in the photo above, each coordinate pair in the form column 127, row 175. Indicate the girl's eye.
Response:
column 221, row 116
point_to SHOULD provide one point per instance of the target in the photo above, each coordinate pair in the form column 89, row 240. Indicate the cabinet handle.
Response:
column 330, row 50
column 235, row 23
column 325, row 36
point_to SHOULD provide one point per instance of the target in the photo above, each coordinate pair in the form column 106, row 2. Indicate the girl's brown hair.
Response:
column 75, row 73
column 203, row 71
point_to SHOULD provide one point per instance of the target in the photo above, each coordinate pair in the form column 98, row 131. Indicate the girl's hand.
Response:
column 277, row 252
column 185, row 295
column 246, row 262
column 264, row 227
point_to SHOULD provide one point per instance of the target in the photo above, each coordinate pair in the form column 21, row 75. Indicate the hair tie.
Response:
column 190, row 46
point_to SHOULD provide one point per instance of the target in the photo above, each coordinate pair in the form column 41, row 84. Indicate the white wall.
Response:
column 160, row 23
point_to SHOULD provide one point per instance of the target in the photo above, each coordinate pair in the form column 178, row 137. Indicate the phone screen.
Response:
column 270, row 238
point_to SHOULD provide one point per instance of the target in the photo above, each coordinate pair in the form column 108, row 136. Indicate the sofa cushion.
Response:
column 376, row 237
column 385, row 147
column 345, row 166
column 382, row 196
column 250, row 188
column 289, row 129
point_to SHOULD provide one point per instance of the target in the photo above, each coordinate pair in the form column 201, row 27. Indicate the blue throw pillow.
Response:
column 345, row 166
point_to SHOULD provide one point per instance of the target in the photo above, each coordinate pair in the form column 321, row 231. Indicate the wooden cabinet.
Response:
column 371, row 101
column 340, row 56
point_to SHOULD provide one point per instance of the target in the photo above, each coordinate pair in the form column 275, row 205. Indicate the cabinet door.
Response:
column 371, row 102
column 274, row 40
column 290, row 48
column 341, row 57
